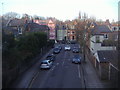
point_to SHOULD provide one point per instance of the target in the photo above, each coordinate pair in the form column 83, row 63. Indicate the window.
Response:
column 115, row 28
column 73, row 37
column 19, row 30
column 97, row 38
column 105, row 36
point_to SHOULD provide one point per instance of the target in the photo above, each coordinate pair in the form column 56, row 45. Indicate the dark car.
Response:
column 51, row 57
column 60, row 47
column 76, row 59
column 76, row 50
column 73, row 42
column 63, row 42
column 56, row 50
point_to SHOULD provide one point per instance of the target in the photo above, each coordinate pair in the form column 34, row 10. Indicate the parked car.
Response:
column 63, row 42
column 59, row 47
column 73, row 42
column 76, row 50
column 46, row 64
column 50, row 57
column 76, row 59
column 56, row 50
column 67, row 47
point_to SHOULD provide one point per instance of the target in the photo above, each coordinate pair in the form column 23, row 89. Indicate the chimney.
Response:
column 26, row 21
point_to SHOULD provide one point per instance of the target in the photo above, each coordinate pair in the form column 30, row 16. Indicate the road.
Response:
column 63, row 74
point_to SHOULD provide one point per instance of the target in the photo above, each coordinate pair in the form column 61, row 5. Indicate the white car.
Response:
column 46, row 64
column 67, row 48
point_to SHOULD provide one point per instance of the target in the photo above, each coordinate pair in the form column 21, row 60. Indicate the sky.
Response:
column 63, row 9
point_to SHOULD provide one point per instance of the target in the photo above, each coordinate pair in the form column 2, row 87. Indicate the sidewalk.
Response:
column 92, row 79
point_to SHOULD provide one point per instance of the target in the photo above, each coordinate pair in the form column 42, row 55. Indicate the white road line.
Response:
column 63, row 63
column 79, row 71
column 33, row 79
column 57, row 63
column 53, row 68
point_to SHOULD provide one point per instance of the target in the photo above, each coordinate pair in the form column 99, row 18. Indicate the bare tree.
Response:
column 80, row 34
column 11, row 15
column 26, row 16
column 36, row 17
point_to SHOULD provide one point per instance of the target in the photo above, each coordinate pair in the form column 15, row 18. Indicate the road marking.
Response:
column 68, row 59
column 33, row 79
column 53, row 68
column 63, row 63
column 57, row 63
column 79, row 71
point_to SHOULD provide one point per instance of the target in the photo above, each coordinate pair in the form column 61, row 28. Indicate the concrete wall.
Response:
column 101, row 38
column 94, row 47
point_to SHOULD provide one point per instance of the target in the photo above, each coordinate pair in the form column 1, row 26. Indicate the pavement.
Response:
column 92, row 79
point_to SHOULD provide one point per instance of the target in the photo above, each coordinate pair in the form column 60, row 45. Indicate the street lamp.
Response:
column 84, row 44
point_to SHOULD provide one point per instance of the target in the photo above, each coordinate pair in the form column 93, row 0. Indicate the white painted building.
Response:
column 100, row 34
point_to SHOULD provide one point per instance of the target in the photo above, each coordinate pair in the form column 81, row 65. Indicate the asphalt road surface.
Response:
column 63, row 73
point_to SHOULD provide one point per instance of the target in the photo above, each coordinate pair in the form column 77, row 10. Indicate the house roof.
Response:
column 108, row 56
column 94, row 23
column 16, row 22
column 91, row 23
column 34, row 26
column 99, row 29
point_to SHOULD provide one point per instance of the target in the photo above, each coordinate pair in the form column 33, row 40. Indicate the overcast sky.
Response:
column 63, row 9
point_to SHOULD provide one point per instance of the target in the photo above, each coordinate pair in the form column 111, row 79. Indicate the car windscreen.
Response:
column 49, row 56
column 56, row 49
column 43, row 62
column 76, row 56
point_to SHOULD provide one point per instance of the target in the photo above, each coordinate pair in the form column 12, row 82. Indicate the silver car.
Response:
column 67, row 47
column 46, row 64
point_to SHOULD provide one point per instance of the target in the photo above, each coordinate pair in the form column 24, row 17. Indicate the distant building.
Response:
column 34, row 27
column 61, row 32
column 52, row 33
column 15, row 26
column 99, row 34
column 40, row 22
column 71, row 34
column 51, row 24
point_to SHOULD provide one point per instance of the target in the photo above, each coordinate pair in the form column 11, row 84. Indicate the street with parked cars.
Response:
column 66, row 68
column 56, row 50
column 60, row 68
column 55, row 70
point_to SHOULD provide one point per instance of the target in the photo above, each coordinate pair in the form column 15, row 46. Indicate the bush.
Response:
column 50, row 43
column 97, row 41
column 22, row 49
column 19, row 52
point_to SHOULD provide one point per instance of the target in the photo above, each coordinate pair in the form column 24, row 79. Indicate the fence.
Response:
column 113, row 76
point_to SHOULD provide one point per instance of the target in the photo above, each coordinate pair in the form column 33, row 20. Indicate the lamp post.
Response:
column 84, row 45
